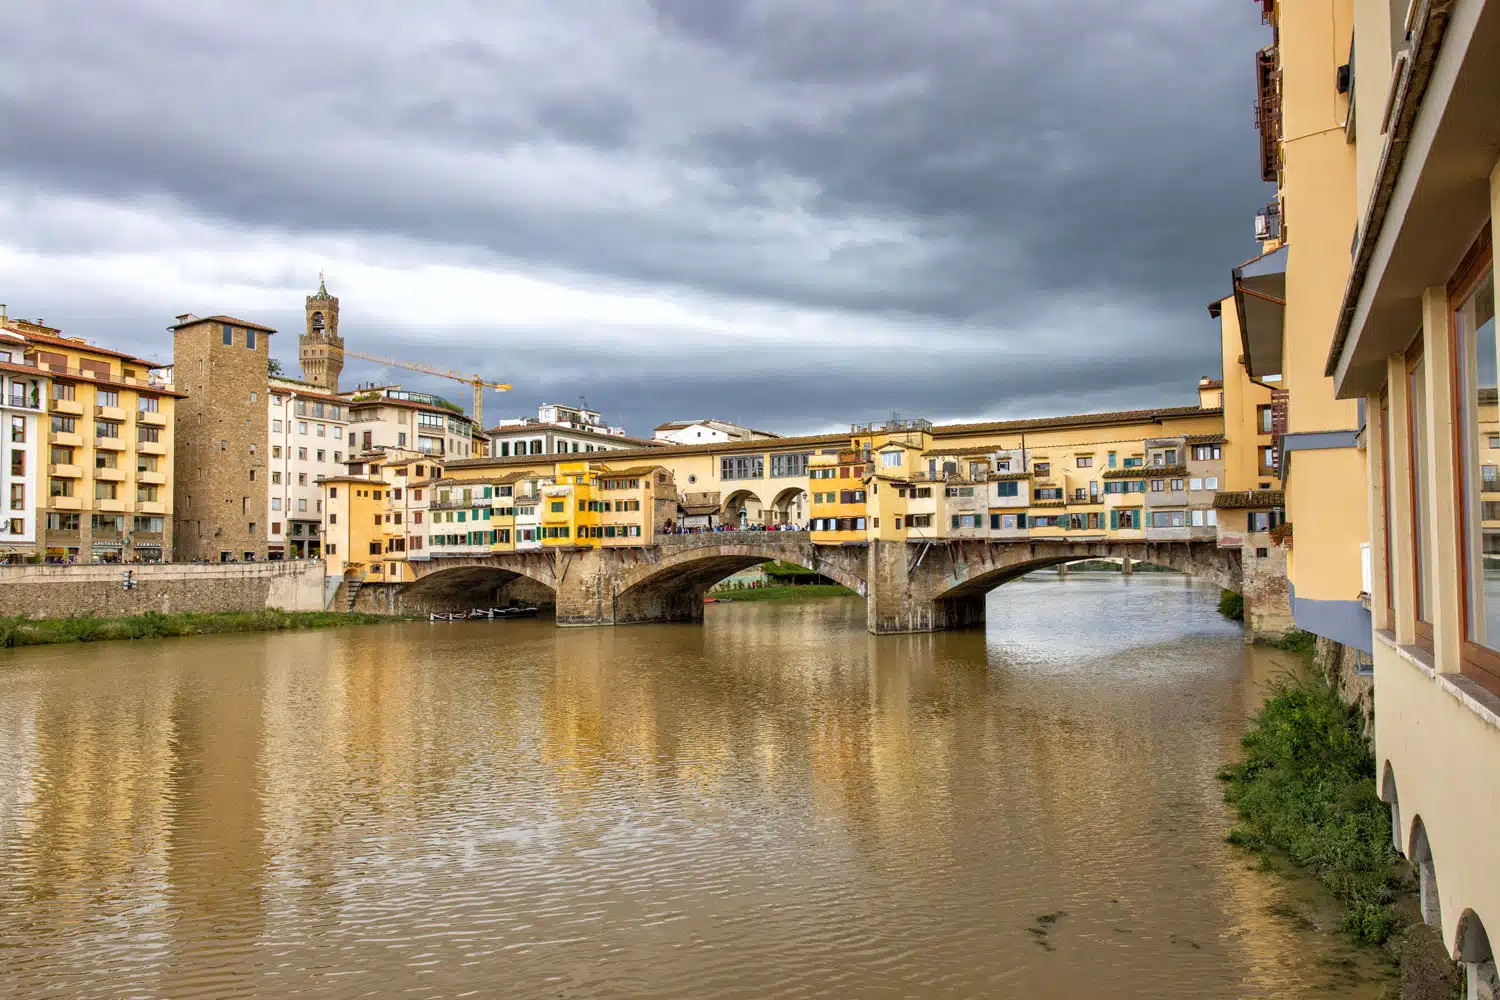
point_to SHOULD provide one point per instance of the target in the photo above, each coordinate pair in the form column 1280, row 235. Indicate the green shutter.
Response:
column 1114, row 520
column 1021, row 519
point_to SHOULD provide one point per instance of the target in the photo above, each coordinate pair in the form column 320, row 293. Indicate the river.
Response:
column 775, row 804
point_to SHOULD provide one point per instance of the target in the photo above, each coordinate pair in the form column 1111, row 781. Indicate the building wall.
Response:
column 63, row 591
column 298, row 456
column 23, row 399
column 222, row 462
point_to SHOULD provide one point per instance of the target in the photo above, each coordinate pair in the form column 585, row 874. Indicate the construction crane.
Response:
column 479, row 383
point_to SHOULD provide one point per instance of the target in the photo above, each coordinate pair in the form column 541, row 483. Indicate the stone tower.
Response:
column 322, row 349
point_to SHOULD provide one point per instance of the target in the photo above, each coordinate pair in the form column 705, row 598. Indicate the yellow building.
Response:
column 1286, row 303
column 107, row 450
column 837, row 512
column 1411, row 342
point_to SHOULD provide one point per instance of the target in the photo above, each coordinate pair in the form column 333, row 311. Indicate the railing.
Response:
column 150, row 382
column 461, row 504
column 25, row 402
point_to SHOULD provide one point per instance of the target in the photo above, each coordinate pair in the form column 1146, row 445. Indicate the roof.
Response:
column 226, row 320
column 699, row 503
column 677, row 425
column 324, row 397
column 79, row 344
column 634, row 470
column 1204, row 439
column 407, row 404
column 790, row 444
column 74, row 375
column 1002, row 477
column 522, row 430
column 1245, row 499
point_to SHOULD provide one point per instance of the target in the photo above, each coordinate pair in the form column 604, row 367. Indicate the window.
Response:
column 276, row 503
column 104, row 491
column 1085, row 461
column 61, row 455
column 1112, row 459
column 107, row 397
column 1268, row 458
column 1176, row 485
column 229, row 335
column 1010, row 488
column 557, row 506
column 17, row 462
column 1416, row 389
column 250, row 345
column 789, row 465
column 17, row 496
column 146, row 492
column 1158, row 485
column 1042, row 468
column 1207, row 452
column 146, row 434
column 60, row 487
column 64, row 390
column 1479, row 542
column 302, row 427
column 301, row 454
column 18, row 429
column 1263, row 419
column 62, row 522
column 967, row 521
column 320, row 429
column 64, row 425
column 742, row 467
column 276, row 427
column 106, row 460
column 890, row 459
column 322, row 455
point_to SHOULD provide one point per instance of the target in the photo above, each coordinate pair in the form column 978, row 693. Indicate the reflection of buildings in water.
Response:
column 88, row 814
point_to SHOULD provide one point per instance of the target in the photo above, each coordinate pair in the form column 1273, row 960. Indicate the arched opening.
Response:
column 317, row 323
column 1472, row 947
column 675, row 591
column 1388, row 795
column 1420, row 854
column 464, row 587
column 742, row 509
column 790, row 507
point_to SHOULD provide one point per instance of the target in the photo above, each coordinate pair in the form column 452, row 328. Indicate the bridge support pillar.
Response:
column 1062, row 570
column 901, row 592
column 1126, row 566
column 1267, row 594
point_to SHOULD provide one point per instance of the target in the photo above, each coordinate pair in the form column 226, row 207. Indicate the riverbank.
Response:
column 803, row 592
column 156, row 625
column 1304, row 790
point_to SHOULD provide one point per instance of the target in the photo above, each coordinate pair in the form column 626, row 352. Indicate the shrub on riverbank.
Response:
column 798, row 592
column 1306, row 786
column 156, row 625
column 1232, row 605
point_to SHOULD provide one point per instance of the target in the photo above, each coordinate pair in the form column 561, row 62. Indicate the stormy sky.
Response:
column 791, row 213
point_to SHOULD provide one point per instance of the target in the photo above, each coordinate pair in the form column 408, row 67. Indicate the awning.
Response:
column 1260, row 301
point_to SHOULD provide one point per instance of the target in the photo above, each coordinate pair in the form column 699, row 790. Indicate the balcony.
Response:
column 109, row 413
column 71, row 407
column 69, row 439
column 65, row 471
column 65, row 503
column 110, row 475
column 151, row 447
column 150, row 506
column 151, row 478
column 112, row 506
column 17, row 401
column 109, row 443
column 151, row 418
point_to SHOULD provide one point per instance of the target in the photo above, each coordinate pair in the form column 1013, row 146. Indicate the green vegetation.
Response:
column 1306, row 787
column 1232, row 605
column 800, row 592
column 1298, row 641
column 155, row 625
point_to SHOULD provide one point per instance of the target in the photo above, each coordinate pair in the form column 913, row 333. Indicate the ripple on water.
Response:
column 774, row 805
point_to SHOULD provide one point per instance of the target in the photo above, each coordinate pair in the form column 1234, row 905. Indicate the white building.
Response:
column 389, row 417
column 559, row 430
column 707, row 432
column 307, row 428
column 23, row 394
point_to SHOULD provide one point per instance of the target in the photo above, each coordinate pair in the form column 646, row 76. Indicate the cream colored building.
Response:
column 307, row 429
column 1401, row 332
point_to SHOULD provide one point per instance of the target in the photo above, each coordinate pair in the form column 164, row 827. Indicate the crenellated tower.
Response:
column 322, row 349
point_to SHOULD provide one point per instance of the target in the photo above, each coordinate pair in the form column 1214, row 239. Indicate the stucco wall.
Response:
column 58, row 591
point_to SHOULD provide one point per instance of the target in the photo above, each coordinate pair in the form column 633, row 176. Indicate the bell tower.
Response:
column 321, row 347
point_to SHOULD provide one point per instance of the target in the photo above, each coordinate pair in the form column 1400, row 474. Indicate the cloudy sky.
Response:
column 791, row 213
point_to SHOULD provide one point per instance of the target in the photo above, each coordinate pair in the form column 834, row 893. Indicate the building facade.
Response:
column 707, row 432
column 222, row 462
column 23, row 402
column 306, row 429
column 1411, row 345
column 320, row 348
column 391, row 418
column 559, row 430
column 105, row 493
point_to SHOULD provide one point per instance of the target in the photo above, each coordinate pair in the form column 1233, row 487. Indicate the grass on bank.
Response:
column 156, row 625
column 799, row 592
column 1306, row 787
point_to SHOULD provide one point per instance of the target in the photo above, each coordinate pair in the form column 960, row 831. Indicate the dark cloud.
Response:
column 1042, row 196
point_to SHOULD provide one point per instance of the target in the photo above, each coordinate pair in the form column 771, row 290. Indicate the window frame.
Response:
column 1478, row 263
column 1415, row 355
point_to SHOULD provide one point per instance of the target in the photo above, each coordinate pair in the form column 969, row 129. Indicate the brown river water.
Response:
column 775, row 804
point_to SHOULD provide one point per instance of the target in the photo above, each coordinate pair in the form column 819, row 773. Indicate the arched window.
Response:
column 317, row 322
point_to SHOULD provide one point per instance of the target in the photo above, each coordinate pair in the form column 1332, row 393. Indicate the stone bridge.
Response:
column 907, row 586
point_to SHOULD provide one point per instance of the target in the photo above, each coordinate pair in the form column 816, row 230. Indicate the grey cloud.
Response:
column 988, row 166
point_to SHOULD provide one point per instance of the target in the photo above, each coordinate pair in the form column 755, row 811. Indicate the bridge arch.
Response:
column 671, row 588
column 974, row 574
column 1420, row 854
column 790, row 506
column 456, row 583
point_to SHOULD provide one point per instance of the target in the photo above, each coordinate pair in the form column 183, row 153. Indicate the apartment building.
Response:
column 106, row 492
column 559, row 430
column 707, row 431
column 306, row 429
column 1410, row 344
column 388, row 417
column 222, row 465
column 23, row 400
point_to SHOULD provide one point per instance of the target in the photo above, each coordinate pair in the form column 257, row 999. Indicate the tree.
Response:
column 273, row 367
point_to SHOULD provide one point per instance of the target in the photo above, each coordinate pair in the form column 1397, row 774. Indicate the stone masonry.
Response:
column 37, row 591
column 908, row 586
column 220, row 477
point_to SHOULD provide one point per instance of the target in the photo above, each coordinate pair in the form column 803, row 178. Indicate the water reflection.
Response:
column 774, row 804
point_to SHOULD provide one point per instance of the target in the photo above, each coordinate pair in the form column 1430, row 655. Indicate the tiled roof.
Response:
column 1246, row 499
column 1204, row 439
column 225, row 320
column 79, row 344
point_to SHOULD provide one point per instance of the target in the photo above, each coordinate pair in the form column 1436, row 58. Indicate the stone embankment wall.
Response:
column 60, row 591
